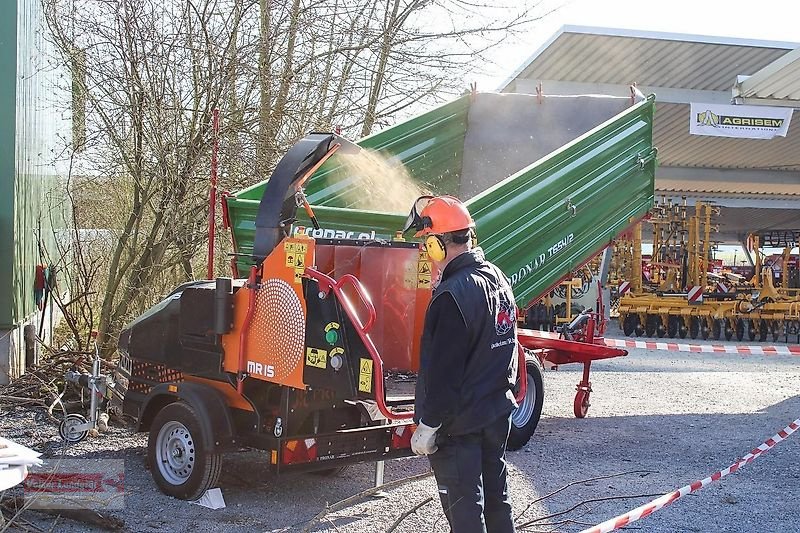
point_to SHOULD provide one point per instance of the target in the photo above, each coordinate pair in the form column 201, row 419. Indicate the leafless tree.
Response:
column 148, row 73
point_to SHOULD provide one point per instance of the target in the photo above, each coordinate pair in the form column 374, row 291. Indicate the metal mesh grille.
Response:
column 279, row 326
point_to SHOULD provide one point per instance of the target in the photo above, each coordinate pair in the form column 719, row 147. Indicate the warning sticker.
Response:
column 423, row 274
column 298, row 275
column 365, row 375
column 317, row 357
column 295, row 255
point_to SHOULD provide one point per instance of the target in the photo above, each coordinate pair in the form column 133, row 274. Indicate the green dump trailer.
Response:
column 549, row 180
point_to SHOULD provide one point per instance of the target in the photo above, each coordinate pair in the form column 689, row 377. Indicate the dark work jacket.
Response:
column 468, row 359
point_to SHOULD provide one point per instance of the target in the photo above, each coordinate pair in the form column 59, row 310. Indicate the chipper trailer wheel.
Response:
column 525, row 417
column 179, row 462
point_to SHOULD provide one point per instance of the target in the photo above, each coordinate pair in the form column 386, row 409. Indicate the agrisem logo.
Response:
column 541, row 259
column 707, row 118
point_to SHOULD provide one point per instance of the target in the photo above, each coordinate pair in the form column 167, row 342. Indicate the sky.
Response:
column 773, row 20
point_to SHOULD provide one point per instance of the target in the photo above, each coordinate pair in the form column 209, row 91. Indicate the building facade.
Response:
column 34, row 128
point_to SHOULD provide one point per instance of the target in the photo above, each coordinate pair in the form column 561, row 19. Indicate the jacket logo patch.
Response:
column 504, row 319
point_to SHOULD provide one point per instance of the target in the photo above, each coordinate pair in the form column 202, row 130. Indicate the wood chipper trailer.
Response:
column 293, row 356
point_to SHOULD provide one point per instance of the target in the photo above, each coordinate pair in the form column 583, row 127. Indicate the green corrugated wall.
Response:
column 31, row 199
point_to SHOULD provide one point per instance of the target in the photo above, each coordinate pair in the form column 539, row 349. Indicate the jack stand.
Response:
column 379, row 466
column 379, row 469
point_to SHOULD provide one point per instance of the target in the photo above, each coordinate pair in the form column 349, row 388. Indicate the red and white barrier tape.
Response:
column 662, row 501
column 706, row 348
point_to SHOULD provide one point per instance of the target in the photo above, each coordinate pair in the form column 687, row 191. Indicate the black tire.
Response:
column 526, row 417
column 673, row 325
column 694, row 327
column 751, row 330
column 739, row 329
column 660, row 329
column 179, row 427
column 716, row 329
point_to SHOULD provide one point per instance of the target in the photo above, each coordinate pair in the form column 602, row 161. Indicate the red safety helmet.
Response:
column 437, row 215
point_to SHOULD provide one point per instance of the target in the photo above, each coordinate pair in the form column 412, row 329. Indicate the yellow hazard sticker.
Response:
column 423, row 274
column 298, row 275
column 316, row 357
column 365, row 375
column 295, row 255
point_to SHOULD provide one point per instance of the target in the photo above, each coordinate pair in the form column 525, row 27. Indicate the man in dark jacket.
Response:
column 468, row 366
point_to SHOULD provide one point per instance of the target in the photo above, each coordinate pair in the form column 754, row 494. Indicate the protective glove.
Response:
column 423, row 442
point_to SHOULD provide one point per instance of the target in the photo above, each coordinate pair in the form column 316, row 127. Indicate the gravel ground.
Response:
column 678, row 416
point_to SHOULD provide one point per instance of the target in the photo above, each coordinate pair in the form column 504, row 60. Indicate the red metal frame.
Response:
column 551, row 347
column 212, row 199
column 328, row 284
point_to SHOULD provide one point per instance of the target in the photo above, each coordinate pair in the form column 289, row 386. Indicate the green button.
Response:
column 332, row 336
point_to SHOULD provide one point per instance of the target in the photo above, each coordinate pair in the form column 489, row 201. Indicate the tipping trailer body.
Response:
column 291, row 359
column 549, row 181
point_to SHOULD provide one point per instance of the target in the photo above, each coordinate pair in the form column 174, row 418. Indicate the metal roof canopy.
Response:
column 757, row 182
column 776, row 84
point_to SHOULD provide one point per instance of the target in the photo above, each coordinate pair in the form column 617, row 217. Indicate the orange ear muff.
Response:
column 435, row 247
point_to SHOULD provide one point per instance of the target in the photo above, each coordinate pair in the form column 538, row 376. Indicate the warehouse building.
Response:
column 756, row 182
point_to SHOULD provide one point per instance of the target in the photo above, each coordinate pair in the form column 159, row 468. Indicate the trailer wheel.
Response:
column 728, row 329
column 673, row 325
column 179, row 462
column 739, row 329
column 694, row 327
column 525, row 418
column 716, row 329
column 581, row 404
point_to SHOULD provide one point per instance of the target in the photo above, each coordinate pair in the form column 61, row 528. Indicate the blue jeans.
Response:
column 470, row 473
